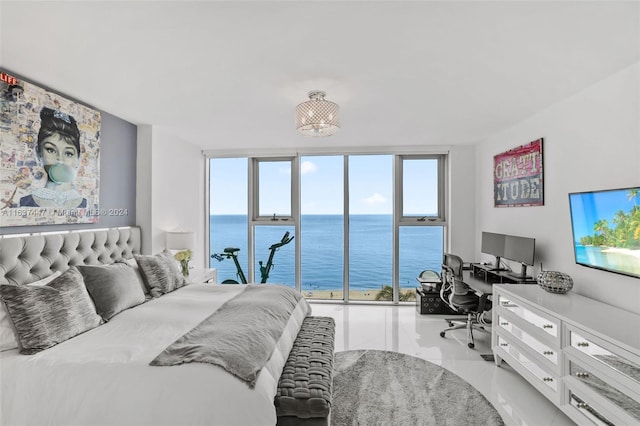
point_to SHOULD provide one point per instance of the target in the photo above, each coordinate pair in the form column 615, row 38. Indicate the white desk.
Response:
column 478, row 285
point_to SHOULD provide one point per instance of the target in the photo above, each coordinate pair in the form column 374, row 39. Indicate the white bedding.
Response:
column 103, row 376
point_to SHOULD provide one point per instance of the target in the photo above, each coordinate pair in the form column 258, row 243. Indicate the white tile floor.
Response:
column 402, row 329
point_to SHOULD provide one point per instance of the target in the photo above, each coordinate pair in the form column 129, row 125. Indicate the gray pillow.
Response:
column 47, row 315
column 134, row 265
column 160, row 272
column 113, row 288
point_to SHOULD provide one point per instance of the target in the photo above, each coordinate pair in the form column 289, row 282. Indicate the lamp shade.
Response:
column 317, row 116
column 180, row 240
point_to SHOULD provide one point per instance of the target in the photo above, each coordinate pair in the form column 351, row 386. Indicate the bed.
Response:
column 103, row 375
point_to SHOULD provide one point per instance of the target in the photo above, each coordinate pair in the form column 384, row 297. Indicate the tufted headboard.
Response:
column 29, row 258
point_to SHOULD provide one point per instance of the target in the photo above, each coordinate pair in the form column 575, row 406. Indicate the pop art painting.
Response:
column 49, row 157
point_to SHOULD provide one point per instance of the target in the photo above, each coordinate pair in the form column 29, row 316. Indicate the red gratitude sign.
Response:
column 517, row 176
column 8, row 78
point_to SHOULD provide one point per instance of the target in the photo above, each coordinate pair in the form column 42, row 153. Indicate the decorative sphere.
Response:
column 554, row 281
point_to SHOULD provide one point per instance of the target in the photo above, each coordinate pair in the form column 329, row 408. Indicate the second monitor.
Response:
column 518, row 249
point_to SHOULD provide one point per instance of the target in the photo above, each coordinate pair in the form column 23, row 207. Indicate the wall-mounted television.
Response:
column 518, row 249
column 606, row 229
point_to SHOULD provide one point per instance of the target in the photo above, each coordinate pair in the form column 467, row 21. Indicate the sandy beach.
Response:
column 628, row 252
column 366, row 295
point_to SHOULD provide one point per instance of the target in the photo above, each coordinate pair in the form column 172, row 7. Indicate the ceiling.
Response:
column 228, row 75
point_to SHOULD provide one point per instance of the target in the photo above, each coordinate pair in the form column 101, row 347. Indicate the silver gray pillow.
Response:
column 113, row 288
column 160, row 272
column 47, row 315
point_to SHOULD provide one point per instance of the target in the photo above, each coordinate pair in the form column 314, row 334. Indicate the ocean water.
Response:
column 322, row 251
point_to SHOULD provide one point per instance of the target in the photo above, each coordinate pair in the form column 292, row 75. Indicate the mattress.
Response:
column 103, row 376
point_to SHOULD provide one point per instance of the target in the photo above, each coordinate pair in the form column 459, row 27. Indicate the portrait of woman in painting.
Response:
column 58, row 150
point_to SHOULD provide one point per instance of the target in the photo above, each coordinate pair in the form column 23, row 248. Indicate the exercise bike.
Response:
column 232, row 253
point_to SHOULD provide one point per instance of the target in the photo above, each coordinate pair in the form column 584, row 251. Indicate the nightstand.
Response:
column 203, row 275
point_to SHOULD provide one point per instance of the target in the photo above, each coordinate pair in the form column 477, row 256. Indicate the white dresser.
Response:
column 582, row 354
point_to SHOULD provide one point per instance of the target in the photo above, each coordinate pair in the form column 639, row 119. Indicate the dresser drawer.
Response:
column 547, row 355
column 545, row 381
column 619, row 402
column 584, row 413
column 548, row 325
column 604, row 358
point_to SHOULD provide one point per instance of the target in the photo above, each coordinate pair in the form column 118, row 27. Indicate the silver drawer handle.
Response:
column 582, row 375
column 548, row 379
column 504, row 344
column 504, row 323
column 583, row 344
column 548, row 352
column 547, row 326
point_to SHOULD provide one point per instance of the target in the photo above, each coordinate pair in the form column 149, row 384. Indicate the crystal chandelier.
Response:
column 317, row 117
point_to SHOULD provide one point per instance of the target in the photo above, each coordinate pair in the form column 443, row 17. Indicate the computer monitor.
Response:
column 518, row 249
column 493, row 244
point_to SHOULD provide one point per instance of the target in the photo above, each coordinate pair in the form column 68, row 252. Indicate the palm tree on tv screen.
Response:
column 625, row 232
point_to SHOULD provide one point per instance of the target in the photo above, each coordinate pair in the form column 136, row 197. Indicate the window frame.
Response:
column 440, row 219
column 399, row 156
column 254, row 189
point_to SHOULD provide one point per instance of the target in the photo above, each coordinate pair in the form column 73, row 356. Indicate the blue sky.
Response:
column 589, row 207
column 370, row 188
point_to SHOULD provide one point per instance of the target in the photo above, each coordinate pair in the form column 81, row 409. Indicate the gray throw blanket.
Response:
column 240, row 336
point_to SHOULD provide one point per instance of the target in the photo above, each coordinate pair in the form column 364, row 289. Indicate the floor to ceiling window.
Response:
column 363, row 226
column 228, row 223
column 370, row 227
column 420, row 219
column 322, row 226
column 272, row 221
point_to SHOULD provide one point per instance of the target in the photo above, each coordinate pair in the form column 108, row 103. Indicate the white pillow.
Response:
column 8, row 337
column 132, row 262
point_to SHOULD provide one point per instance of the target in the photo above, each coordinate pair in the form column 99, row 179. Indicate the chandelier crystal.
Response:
column 317, row 116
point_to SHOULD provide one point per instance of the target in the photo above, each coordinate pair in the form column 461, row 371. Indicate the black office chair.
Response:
column 455, row 293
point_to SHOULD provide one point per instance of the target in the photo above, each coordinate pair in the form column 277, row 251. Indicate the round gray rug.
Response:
column 389, row 388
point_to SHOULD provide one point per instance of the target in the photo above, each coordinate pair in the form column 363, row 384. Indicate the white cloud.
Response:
column 305, row 167
column 308, row 167
column 375, row 199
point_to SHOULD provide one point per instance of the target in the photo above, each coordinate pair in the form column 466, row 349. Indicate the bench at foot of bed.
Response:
column 304, row 389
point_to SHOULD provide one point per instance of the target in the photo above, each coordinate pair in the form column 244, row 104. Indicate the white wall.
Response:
column 144, row 178
column 591, row 142
column 462, row 202
column 170, row 190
